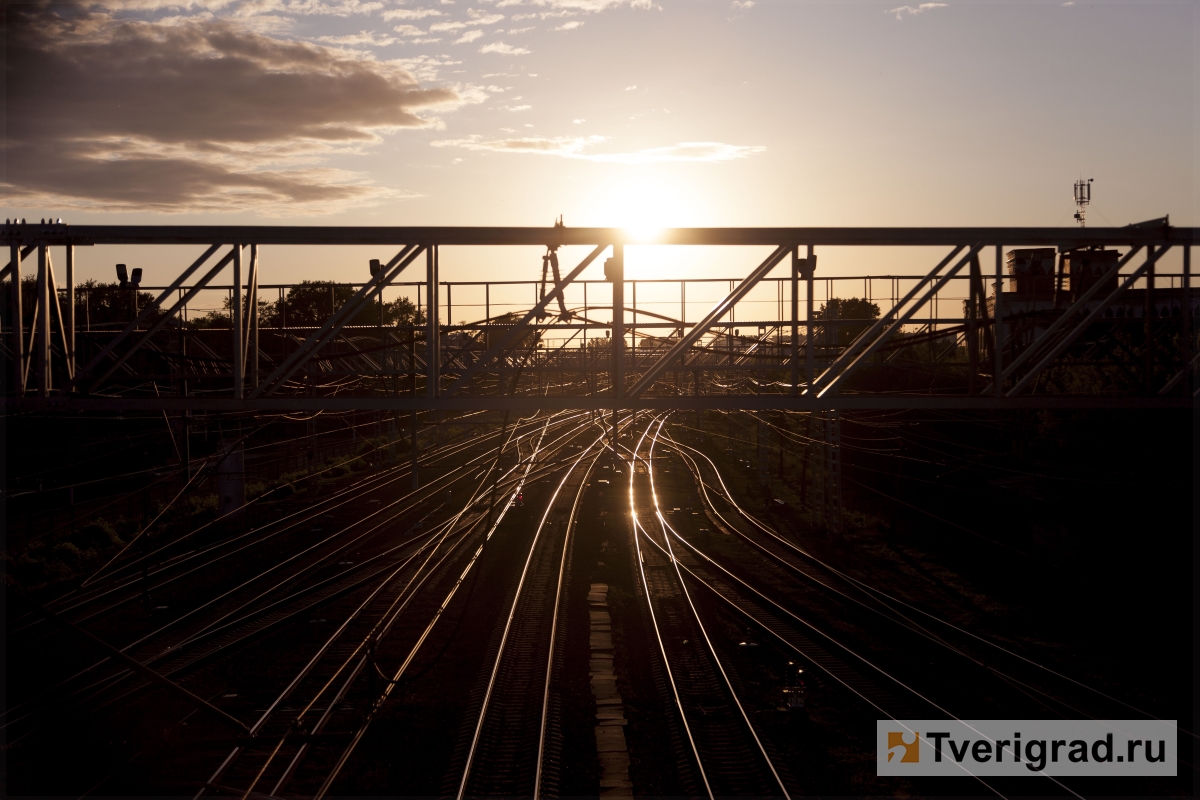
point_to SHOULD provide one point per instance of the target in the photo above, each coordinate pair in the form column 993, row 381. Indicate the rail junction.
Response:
column 562, row 570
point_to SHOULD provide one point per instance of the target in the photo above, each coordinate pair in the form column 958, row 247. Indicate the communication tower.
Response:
column 1083, row 196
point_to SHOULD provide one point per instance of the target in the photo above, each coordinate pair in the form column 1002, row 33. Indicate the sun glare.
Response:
column 643, row 206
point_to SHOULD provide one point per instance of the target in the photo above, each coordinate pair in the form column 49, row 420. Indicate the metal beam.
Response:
column 1070, row 336
column 69, row 335
column 235, row 326
column 1058, row 324
column 836, row 383
column 1156, row 232
column 700, row 328
column 432, row 332
column 327, row 331
column 62, row 320
column 16, row 256
column 171, row 312
column 43, row 325
column 522, row 327
column 795, row 350
column 871, row 332
column 150, row 309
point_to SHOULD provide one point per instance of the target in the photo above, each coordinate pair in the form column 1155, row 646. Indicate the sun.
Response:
column 643, row 206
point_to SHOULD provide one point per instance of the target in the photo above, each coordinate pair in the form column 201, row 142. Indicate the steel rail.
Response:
column 696, row 614
column 420, row 494
column 512, row 612
column 378, row 703
column 392, row 614
column 872, row 591
column 654, row 620
column 828, row 637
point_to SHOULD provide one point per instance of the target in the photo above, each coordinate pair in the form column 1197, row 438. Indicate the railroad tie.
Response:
column 610, row 711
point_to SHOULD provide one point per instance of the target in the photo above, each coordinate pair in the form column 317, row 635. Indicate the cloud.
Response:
column 578, row 121
column 577, row 146
column 362, row 37
column 518, row 108
column 408, row 30
column 516, row 31
column 478, row 19
column 469, row 37
column 127, row 115
column 341, row 8
column 631, row 88
column 159, row 5
column 570, row 26
column 742, row 5
column 902, row 11
column 587, row 6
column 424, row 67
column 411, row 13
column 504, row 49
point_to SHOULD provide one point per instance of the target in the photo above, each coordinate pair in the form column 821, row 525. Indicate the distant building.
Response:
column 1039, row 288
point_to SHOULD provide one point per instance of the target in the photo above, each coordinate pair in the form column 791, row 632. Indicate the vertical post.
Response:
column 183, row 362
column 616, row 456
column 69, row 333
column 43, row 320
column 1148, row 319
column 1185, row 316
column 998, row 331
column 618, row 321
column 431, row 334
column 682, row 331
column 810, row 267
column 633, row 329
column 974, row 290
column 487, row 300
column 253, row 303
column 235, row 316
column 18, row 323
column 795, row 357
column 682, row 308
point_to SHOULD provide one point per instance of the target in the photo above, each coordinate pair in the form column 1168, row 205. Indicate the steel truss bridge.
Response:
column 587, row 344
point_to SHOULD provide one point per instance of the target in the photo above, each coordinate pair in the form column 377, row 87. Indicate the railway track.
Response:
column 729, row 754
column 513, row 747
column 284, row 755
column 249, row 609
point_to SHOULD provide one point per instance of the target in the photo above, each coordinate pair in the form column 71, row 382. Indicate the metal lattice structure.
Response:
column 1090, row 338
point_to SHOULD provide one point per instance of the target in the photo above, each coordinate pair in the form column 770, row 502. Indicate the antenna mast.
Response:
column 1083, row 196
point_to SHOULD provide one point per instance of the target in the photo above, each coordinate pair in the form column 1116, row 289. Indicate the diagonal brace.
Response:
column 1059, row 323
column 872, row 331
column 343, row 315
column 899, row 324
column 24, row 255
column 171, row 312
column 720, row 309
column 521, row 328
column 1069, row 338
column 150, row 309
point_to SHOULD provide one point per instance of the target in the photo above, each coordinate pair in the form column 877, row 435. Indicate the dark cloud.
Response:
column 198, row 115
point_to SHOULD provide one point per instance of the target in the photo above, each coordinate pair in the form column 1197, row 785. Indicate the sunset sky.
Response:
column 642, row 113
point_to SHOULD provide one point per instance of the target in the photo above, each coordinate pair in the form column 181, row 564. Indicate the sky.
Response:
column 638, row 113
